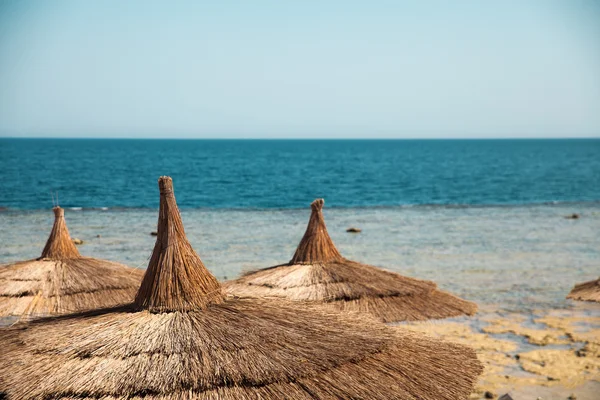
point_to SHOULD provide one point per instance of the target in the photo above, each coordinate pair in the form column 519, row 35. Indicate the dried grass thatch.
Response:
column 182, row 339
column 587, row 291
column 318, row 273
column 62, row 281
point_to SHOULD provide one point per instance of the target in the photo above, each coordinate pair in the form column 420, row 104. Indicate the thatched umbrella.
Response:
column 183, row 338
column 319, row 273
column 587, row 291
column 62, row 281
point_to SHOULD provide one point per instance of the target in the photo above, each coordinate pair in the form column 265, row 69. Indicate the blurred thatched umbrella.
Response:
column 62, row 281
column 183, row 339
column 319, row 273
column 587, row 291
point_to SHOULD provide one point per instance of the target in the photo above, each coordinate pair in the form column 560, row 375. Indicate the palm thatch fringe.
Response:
column 344, row 280
column 318, row 273
column 587, row 291
column 434, row 305
column 208, row 347
column 249, row 349
column 62, row 281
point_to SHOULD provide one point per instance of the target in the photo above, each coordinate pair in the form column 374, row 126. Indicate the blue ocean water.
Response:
column 291, row 173
column 245, row 206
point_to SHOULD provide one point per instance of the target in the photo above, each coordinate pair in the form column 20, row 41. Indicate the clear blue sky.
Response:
column 465, row 68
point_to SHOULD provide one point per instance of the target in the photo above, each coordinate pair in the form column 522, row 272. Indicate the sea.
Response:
column 488, row 220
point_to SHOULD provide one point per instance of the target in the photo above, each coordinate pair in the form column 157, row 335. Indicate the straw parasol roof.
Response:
column 319, row 273
column 587, row 291
column 62, row 281
column 183, row 339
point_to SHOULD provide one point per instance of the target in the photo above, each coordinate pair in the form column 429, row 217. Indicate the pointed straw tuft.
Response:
column 176, row 278
column 316, row 246
column 59, row 245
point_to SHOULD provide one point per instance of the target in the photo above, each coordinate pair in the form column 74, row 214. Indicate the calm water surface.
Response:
column 290, row 173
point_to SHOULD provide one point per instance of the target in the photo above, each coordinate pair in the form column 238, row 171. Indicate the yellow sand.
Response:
column 548, row 371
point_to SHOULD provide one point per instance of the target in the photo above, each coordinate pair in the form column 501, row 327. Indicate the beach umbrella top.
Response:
column 183, row 339
column 316, row 246
column 318, row 272
column 586, row 291
column 59, row 245
column 173, row 259
column 63, row 281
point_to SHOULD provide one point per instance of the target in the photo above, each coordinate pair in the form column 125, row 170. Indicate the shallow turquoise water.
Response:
column 517, row 258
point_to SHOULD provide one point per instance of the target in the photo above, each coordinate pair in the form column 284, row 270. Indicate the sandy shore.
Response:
column 548, row 354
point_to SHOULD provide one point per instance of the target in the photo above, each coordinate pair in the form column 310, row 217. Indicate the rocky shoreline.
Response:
column 547, row 354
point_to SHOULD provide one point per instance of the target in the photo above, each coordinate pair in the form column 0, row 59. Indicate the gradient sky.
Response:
column 418, row 69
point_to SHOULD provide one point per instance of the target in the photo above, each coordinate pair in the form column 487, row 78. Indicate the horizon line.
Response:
column 302, row 138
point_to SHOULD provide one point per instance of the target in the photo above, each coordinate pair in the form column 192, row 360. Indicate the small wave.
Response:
column 188, row 206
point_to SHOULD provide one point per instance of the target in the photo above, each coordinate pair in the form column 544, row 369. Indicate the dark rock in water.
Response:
column 489, row 395
column 505, row 397
column 353, row 230
column 77, row 241
column 98, row 236
column 154, row 233
column 572, row 216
